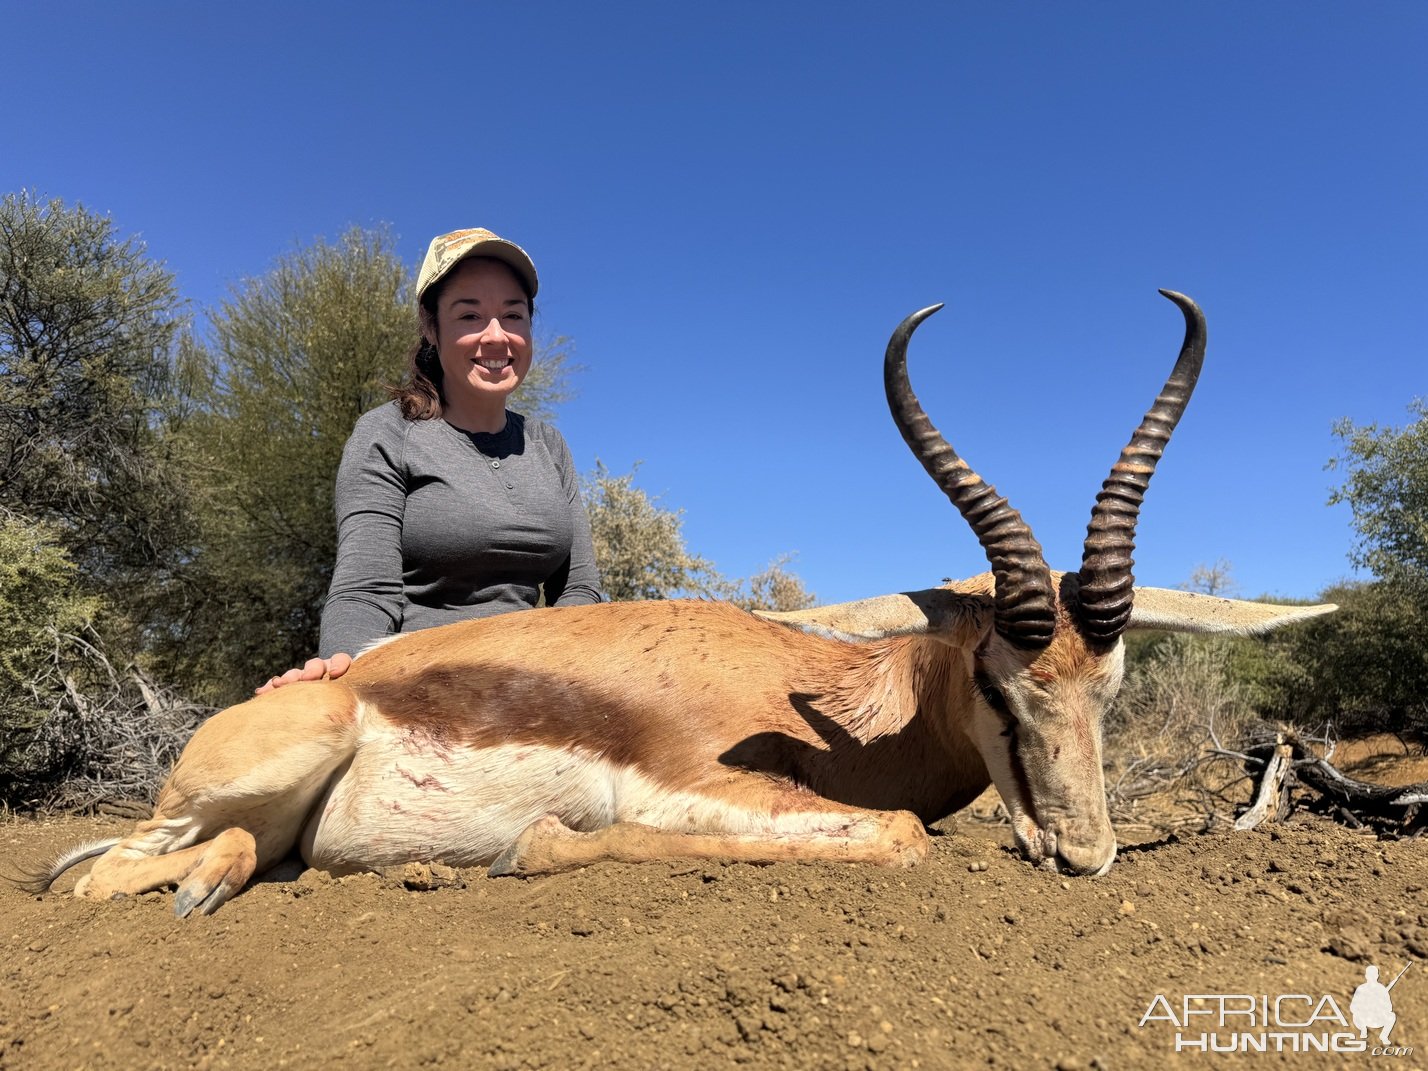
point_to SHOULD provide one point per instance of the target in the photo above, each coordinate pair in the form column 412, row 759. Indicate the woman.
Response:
column 449, row 505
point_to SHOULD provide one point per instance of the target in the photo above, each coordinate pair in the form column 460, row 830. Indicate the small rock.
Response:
column 1127, row 908
column 424, row 877
column 1351, row 943
column 413, row 875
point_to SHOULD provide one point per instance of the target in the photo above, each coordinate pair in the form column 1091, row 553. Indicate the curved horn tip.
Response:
column 1180, row 299
column 903, row 332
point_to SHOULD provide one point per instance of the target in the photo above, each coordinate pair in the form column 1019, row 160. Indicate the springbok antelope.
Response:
column 555, row 738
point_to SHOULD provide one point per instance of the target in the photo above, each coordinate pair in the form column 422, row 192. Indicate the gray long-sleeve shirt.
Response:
column 436, row 525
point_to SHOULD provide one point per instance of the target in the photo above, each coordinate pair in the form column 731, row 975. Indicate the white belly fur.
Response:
column 402, row 800
column 395, row 804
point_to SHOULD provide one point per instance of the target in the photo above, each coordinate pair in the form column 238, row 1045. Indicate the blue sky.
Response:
column 732, row 205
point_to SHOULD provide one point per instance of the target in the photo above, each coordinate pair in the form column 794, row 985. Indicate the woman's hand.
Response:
column 316, row 669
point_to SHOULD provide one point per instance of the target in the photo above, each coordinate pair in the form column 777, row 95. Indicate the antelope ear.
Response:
column 1187, row 611
column 957, row 618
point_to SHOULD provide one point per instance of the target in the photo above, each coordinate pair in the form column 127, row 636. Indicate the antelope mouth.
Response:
column 1048, row 850
column 1089, row 852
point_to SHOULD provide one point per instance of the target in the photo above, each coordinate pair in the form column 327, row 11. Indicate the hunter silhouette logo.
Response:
column 1372, row 1007
column 1289, row 1022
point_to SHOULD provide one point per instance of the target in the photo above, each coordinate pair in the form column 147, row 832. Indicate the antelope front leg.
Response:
column 883, row 838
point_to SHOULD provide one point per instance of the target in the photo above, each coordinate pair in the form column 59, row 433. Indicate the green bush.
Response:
column 1361, row 670
column 39, row 605
column 75, row 729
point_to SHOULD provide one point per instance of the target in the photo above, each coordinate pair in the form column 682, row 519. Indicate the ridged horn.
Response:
column 1107, row 585
column 1024, row 599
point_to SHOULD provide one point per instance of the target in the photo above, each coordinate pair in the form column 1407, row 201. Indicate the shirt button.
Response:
column 495, row 464
column 510, row 487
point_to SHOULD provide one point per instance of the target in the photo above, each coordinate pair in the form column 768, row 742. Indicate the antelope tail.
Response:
column 39, row 881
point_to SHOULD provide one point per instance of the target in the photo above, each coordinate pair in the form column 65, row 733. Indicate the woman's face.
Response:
column 483, row 331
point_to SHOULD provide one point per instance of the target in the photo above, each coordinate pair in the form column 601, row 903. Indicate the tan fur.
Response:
column 651, row 730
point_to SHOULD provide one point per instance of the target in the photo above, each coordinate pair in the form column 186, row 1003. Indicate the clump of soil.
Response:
column 974, row 959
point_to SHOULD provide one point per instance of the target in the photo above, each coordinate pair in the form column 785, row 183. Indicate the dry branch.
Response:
column 1272, row 797
column 110, row 735
column 1290, row 760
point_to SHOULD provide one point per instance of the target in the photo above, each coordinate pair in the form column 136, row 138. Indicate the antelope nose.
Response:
column 1091, row 860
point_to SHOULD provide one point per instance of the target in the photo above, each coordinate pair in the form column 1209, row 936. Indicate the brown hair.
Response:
column 420, row 394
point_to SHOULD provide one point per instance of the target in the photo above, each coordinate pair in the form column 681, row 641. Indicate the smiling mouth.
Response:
column 494, row 364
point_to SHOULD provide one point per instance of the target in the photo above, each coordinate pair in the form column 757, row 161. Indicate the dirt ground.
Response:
column 974, row 959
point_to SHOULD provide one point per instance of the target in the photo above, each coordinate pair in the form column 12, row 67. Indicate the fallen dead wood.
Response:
column 1271, row 798
column 1280, row 765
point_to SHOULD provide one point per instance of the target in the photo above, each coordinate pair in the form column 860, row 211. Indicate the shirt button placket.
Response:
column 496, row 464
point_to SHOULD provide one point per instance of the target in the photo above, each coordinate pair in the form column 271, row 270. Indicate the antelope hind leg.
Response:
column 237, row 799
column 883, row 838
column 207, row 874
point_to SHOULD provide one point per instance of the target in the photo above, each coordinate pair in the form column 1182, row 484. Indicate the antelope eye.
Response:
column 993, row 695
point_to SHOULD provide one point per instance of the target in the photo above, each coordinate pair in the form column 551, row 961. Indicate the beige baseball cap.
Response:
column 448, row 250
